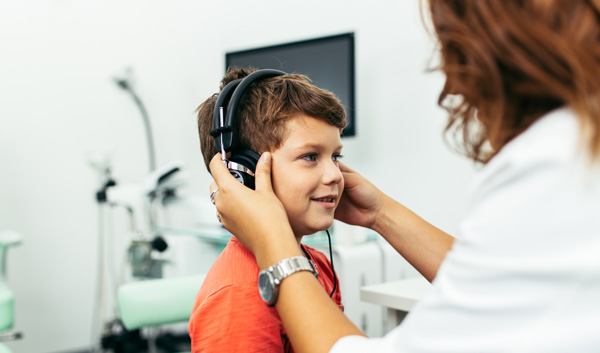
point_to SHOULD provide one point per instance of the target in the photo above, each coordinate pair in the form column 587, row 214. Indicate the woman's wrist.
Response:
column 282, row 244
column 382, row 220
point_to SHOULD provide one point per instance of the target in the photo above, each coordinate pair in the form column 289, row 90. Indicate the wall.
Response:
column 59, row 105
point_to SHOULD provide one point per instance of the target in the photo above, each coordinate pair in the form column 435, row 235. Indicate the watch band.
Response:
column 270, row 278
column 291, row 265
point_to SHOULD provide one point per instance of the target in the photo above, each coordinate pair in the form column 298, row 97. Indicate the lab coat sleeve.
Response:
column 351, row 344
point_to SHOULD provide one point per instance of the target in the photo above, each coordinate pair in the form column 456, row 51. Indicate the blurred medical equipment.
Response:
column 7, row 315
column 138, row 240
column 124, row 80
column 141, row 200
column 156, row 302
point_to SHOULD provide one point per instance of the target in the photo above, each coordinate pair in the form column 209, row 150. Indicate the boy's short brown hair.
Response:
column 266, row 107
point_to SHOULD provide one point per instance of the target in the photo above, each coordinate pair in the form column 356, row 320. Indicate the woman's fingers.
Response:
column 345, row 169
column 263, row 173
column 220, row 172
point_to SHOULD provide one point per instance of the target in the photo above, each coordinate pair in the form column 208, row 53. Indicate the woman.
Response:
column 523, row 90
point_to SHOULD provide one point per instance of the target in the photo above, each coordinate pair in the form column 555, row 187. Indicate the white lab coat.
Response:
column 524, row 272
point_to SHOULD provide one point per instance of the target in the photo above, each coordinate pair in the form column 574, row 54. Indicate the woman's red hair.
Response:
column 508, row 62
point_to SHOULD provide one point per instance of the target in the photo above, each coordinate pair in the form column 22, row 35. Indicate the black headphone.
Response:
column 241, row 162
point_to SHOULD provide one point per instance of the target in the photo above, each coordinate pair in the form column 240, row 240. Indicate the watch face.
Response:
column 265, row 287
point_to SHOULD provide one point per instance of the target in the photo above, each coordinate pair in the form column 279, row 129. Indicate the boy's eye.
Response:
column 337, row 157
column 311, row 157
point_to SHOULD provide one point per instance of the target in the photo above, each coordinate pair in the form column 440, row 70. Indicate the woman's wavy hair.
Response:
column 265, row 109
column 508, row 62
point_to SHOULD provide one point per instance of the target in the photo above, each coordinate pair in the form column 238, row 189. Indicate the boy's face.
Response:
column 306, row 175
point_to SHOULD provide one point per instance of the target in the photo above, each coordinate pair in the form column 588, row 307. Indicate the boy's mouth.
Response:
column 326, row 198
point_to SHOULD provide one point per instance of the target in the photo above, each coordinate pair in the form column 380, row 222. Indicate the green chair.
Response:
column 158, row 301
column 7, row 298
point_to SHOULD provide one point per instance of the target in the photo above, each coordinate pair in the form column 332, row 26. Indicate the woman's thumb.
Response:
column 263, row 173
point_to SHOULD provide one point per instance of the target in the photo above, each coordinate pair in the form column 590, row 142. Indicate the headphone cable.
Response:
column 331, row 261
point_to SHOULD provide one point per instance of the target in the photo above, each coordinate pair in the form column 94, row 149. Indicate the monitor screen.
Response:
column 327, row 61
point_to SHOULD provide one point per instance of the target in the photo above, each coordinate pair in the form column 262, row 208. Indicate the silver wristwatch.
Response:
column 270, row 278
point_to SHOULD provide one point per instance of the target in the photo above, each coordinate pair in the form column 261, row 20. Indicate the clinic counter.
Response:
column 398, row 297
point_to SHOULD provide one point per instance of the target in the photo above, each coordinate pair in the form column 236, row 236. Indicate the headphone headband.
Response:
column 223, row 132
column 227, row 132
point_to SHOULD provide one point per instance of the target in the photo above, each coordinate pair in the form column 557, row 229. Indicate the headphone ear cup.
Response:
column 248, row 159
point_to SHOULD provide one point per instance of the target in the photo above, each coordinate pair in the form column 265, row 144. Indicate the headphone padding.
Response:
column 248, row 159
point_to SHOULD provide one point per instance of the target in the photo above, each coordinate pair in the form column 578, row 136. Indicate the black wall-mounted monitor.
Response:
column 328, row 61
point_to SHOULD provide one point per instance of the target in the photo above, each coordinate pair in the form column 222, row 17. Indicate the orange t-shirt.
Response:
column 229, row 314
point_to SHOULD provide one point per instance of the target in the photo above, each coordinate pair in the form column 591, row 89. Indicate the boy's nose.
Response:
column 332, row 173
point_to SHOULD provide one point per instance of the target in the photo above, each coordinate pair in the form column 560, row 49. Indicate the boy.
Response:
column 300, row 125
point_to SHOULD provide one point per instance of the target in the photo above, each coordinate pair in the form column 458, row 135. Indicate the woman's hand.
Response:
column 256, row 217
column 361, row 201
column 420, row 243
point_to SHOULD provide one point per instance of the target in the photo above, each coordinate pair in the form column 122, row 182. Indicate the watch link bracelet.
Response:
column 269, row 279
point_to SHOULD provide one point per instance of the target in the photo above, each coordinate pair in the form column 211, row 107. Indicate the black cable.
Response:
column 331, row 261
